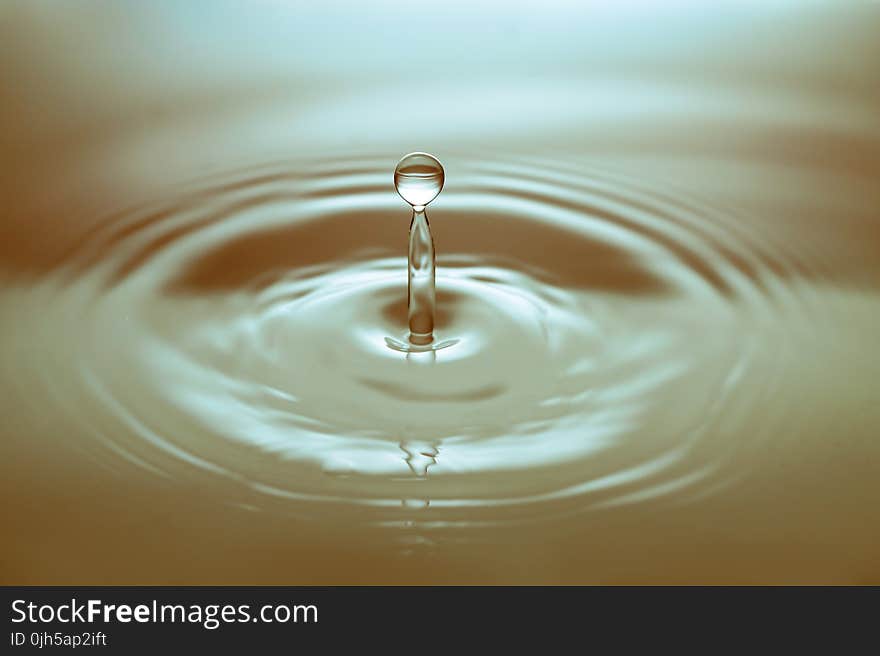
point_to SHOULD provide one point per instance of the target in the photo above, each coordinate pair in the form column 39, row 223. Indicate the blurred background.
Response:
column 165, row 90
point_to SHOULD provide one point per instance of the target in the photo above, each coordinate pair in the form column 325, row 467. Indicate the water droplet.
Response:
column 418, row 178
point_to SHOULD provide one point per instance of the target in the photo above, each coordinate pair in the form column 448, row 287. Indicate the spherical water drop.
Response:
column 418, row 178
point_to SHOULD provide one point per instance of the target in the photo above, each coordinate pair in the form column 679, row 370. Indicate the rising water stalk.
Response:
column 418, row 178
column 420, row 281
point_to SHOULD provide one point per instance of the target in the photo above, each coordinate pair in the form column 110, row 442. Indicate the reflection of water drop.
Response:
column 418, row 178
column 419, row 456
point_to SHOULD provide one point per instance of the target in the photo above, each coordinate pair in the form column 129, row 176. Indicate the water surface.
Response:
column 660, row 265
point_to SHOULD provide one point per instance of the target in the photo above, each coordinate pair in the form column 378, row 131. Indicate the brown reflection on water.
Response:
column 105, row 111
column 491, row 237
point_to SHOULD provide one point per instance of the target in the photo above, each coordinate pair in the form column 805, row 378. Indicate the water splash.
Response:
column 573, row 295
column 419, row 178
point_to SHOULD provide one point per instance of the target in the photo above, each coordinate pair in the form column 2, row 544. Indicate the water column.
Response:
column 418, row 179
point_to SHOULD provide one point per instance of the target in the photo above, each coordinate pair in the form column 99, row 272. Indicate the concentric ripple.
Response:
column 605, row 334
